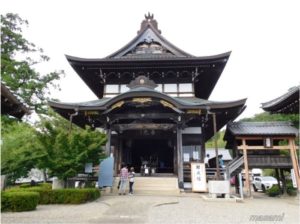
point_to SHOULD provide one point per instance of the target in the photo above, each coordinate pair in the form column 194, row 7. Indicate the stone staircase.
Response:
column 152, row 186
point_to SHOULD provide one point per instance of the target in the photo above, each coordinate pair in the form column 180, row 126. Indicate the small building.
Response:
column 153, row 101
column 260, row 145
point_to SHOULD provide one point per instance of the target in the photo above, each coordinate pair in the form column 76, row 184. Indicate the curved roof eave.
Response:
column 103, row 60
column 276, row 103
column 180, row 103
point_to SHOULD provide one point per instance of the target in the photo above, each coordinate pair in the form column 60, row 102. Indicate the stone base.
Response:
column 58, row 184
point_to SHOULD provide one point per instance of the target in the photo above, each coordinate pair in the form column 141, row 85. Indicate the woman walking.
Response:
column 123, row 179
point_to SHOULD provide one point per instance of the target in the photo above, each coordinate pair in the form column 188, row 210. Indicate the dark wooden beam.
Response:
column 138, row 116
column 143, row 126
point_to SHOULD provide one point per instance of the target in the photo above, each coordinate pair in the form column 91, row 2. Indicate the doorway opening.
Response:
column 158, row 153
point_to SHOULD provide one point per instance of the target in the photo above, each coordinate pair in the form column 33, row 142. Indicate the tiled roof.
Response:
column 287, row 103
column 188, row 102
column 262, row 128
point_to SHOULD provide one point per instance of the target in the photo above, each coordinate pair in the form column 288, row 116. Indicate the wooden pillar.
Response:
column 120, row 154
column 117, row 155
column 247, row 184
column 108, row 143
column 295, row 162
column 175, row 162
column 236, row 184
column 216, row 146
column 278, row 179
column 179, row 158
column 202, row 149
column 283, row 181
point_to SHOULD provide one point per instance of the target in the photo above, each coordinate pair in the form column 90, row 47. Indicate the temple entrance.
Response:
column 156, row 153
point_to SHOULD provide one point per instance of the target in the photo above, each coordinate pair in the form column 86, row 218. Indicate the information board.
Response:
column 198, row 175
column 106, row 170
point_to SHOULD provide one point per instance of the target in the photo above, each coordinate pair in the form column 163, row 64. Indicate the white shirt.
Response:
column 131, row 176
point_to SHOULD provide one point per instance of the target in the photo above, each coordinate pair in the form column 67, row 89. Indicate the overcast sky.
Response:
column 263, row 36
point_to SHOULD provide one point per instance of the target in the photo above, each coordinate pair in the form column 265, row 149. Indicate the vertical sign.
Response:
column 106, row 171
column 198, row 177
column 293, row 178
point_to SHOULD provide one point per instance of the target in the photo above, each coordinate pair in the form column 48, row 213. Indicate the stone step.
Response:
column 152, row 185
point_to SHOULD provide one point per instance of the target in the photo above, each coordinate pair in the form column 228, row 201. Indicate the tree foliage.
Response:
column 66, row 153
column 265, row 116
column 18, row 59
column 18, row 154
column 48, row 146
column 221, row 143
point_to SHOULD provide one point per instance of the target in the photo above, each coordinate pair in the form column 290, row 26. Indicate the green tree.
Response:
column 221, row 143
column 48, row 146
column 65, row 153
column 18, row 59
column 18, row 154
column 265, row 116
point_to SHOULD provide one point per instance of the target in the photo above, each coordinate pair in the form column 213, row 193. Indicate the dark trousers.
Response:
column 130, row 187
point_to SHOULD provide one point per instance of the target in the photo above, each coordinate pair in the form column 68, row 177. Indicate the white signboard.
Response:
column 293, row 178
column 88, row 168
column 186, row 157
column 198, row 177
column 195, row 155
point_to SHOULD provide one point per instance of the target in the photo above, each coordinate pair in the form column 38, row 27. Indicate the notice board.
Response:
column 198, row 176
column 106, row 171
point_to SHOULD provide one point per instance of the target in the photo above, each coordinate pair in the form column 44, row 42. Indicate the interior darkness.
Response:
column 158, row 149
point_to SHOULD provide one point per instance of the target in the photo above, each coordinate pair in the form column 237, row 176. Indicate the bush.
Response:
column 62, row 196
column 19, row 201
column 24, row 186
column 45, row 185
column 75, row 196
column 290, row 190
column 46, row 195
column 273, row 191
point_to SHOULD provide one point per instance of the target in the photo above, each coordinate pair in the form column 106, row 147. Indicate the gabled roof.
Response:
column 261, row 128
column 150, row 40
column 150, row 53
column 288, row 103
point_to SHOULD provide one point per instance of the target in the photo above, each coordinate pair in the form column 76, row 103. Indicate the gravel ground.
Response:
column 187, row 208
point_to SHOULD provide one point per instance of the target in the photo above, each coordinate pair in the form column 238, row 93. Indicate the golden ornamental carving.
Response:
column 167, row 104
column 193, row 111
column 141, row 100
column 117, row 105
column 88, row 113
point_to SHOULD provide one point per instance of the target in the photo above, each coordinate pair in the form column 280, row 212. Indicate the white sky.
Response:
column 263, row 36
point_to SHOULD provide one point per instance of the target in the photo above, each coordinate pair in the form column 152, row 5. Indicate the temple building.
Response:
column 153, row 102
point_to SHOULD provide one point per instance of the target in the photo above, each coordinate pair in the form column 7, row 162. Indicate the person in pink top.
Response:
column 123, row 179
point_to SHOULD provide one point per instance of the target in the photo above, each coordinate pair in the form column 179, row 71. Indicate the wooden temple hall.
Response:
column 153, row 101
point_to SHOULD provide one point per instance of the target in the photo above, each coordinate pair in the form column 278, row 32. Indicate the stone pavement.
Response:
column 186, row 208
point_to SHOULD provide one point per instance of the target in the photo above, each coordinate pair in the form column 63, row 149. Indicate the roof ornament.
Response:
column 149, row 16
column 142, row 81
column 149, row 21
